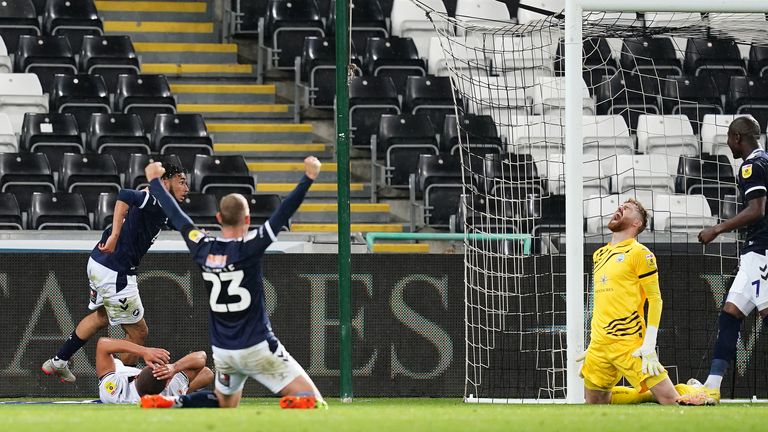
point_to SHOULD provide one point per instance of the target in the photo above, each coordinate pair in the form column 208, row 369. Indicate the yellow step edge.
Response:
column 277, row 148
column 286, row 166
column 400, row 248
column 235, row 108
column 224, row 88
column 157, row 27
column 317, row 187
column 310, row 227
column 147, row 47
column 151, row 6
column 259, row 127
column 187, row 68
column 354, row 207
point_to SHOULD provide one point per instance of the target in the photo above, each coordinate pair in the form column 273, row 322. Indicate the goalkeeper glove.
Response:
column 651, row 364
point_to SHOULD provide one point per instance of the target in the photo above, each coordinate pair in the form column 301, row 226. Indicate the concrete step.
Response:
column 229, row 70
column 262, row 151
column 261, row 133
column 400, row 248
column 328, row 213
column 219, row 93
column 318, row 190
column 239, row 111
column 154, row 10
column 311, row 227
column 164, row 31
column 185, row 53
column 274, row 172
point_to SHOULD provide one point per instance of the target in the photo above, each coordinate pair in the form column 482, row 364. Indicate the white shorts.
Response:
column 273, row 370
column 119, row 386
column 750, row 288
column 118, row 293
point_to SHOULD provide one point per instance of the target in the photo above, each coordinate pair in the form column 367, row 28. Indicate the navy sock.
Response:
column 199, row 399
column 70, row 347
column 725, row 346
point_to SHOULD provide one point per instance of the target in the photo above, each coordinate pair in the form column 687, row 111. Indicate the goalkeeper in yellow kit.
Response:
column 621, row 343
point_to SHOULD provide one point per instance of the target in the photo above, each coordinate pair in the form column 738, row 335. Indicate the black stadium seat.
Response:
column 286, row 25
column 145, row 95
column 82, row 95
column 718, row 58
column 708, row 175
column 318, row 70
column 17, row 18
column 201, row 208
column 758, row 61
column 184, row 135
column 439, row 184
column 73, row 19
column 45, row 56
column 403, row 138
column 134, row 176
column 105, row 210
column 221, row 175
column 262, row 206
column 58, row 211
column 479, row 133
column 393, row 57
column 596, row 57
column 10, row 214
column 108, row 56
column 429, row 95
column 749, row 95
column 53, row 134
column 509, row 175
column 368, row 20
column 90, row 175
column 692, row 96
column 485, row 213
column 628, row 95
column 369, row 98
column 119, row 135
column 651, row 56
column 23, row 174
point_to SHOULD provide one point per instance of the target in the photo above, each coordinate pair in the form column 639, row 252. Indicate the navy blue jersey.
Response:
column 232, row 272
column 141, row 227
column 753, row 179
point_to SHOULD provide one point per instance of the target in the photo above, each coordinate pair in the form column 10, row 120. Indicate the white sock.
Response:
column 59, row 363
column 713, row 382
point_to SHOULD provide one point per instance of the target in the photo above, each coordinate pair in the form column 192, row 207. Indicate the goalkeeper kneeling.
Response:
column 625, row 276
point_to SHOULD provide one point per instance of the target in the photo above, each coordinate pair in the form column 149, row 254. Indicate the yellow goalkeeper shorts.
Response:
column 604, row 366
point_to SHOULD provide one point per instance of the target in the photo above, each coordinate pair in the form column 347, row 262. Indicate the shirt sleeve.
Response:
column 752, row 177
column 648, row 275
column 193, row 237
column 133, row 198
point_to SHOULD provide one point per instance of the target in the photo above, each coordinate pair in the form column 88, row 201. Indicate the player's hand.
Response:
column 109, row 245
column 312, row 167
column 165, row 372
column 154, row 170
column 154, row 357
column 707, row 235
column 651, row 364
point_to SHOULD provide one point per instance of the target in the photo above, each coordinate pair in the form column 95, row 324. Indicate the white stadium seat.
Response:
column 5, row 60
column 525, row 16
column 596, row 180
column 464, row 56
column 8, row 143
column 642, row 174
column 480, row 12
column 523, row 53
column 667, row 135
column 548, row 94
column 410, row 20
column 540, row 136
column 21, row 93
column 493, row 96
column 606, row 135
column 682, row 213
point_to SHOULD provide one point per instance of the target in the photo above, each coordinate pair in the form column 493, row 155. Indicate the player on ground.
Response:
column 750, row 287
column 242, row 340
column 120, row 384
column 114, row 295
column 625, row 276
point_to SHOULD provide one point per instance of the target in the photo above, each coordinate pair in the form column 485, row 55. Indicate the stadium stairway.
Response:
column 180, row 40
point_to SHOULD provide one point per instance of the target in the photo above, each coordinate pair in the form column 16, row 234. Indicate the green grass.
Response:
column 396, row 415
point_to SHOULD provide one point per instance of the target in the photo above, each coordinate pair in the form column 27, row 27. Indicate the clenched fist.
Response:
column 312, row 167
column 154, row 170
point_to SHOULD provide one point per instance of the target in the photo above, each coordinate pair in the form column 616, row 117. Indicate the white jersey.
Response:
column 119, row 387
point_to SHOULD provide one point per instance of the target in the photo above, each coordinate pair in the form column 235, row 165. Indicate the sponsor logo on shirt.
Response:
column 746, row 171
column 651, row 260
column 195, row 236
column 620, row 258
column 110, row 387
column 216, row 261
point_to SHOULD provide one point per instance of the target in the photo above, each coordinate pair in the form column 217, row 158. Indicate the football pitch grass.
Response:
column 382, row 414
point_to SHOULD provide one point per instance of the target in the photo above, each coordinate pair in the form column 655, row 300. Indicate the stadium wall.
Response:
column 407, row 318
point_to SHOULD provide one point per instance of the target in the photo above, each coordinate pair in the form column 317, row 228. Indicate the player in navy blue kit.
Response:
column 750, row 287
column 242, row 340
column 114, row 294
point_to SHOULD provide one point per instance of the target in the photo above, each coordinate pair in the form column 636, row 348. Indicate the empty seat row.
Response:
column 72, row 19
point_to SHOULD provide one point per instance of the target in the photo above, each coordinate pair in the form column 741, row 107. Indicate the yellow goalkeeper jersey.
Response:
column 624, row 276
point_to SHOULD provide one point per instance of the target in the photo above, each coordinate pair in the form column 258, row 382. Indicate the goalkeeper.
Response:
column 622, row 344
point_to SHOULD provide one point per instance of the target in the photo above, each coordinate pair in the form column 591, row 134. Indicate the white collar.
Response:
column 754, row 152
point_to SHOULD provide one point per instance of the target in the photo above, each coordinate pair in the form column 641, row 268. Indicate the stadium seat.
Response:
column 642, row 175
column 692, row 96
column 17, row 18
column 466, row 56
column 134, row 176
column 52, row 134
column 596, row 174
column 145, row 95
column 429, row 95
column 682, row 213
column 509, row 175
column 73, row 19
column 598, row 210
column 81, row 95
column 108, row 56
column 184, row 135
column 118, row 135
column 285, row 27
column 58, row 211
column 708, row 175
column 89, row 175
column 318, row 69
column 541, row 138
column 718, row 58
column 544, row 214
column 393, row 57
column 492, row 96
column 669, row 135
column 262, row 206
column 45, row 56
column 714, row 133
column 655, row 56
column 606, row 135
column 8, row 142
column 597, row 59
column 105, row 210
column 409, row 20
column 530, row 57
column 23, row 174
column 758, row 61
column 5, row 61
column 20, row 94
column 436, row 187
column 202, row 209
column 369, row 98
column 368, row 20
column 485, row 213
column 478, row 133
column 628, row 95
column 10, row 214
column 480, row 12
column 749, row 95
column 548, row 96
column 401, row 138
column 222, row 175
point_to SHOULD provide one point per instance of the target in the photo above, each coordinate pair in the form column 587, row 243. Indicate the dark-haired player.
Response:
column 242, row 340
column 114, row 294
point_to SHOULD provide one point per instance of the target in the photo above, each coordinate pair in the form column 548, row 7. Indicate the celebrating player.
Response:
column 114, row 297
column 120, row 384
column 749, row 288
column 625, row 276
column 241, row 335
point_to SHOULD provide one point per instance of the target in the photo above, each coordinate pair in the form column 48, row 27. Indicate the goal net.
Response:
column 657, row 93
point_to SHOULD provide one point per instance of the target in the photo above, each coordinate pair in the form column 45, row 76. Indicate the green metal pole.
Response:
column 343, row 178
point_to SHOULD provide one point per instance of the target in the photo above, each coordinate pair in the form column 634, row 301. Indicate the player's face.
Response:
column 179, row 187
column 734, row 144
column 624, row 217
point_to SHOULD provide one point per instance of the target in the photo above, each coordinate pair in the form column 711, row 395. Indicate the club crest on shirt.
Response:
column 651, row 260
column 110, row 387
column 620, row 258
column 746, row 171
column 195, row 236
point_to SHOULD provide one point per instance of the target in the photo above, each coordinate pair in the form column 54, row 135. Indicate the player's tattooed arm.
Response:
column 108, row 346
column 754, row 211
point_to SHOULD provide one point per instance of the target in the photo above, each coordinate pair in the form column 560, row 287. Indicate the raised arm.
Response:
column 291, row 203
column 108, row 346
column 178, row 218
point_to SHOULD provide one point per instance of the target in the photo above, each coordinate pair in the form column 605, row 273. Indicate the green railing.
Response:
column 371, row 237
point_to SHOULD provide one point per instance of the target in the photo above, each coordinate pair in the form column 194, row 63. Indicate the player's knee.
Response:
column 206, row 376
column 137, row 333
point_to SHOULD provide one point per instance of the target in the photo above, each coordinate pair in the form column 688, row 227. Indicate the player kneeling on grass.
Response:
column 120, row 384
column 625, row 276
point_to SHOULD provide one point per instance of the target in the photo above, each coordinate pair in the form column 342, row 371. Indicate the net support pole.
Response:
column 574, row 191
column 343, row 179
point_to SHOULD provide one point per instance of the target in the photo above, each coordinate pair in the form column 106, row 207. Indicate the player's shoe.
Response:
column 157, row 401
column 300, row 402
column 693, row 396
column 712, row 394
column 63, row 372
